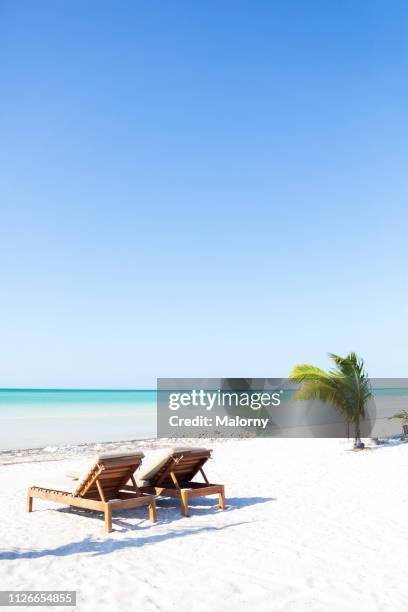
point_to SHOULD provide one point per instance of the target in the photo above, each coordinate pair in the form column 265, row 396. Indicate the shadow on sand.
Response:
column 203, row 506
column 168, row 513
column 103, row 547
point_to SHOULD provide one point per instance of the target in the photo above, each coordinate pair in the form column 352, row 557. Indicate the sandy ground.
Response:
column 309, row 526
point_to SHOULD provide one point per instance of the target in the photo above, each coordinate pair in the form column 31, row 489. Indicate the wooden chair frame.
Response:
column 175, row 479
column 101, row 490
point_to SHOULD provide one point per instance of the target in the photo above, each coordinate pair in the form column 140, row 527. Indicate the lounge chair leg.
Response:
column 108, row 518
column 152, row 511
column 221, row 498
column 29, row 502
column 184, row 502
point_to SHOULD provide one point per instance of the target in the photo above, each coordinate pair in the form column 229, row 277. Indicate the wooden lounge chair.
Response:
column 172, row 476
column 101, row 488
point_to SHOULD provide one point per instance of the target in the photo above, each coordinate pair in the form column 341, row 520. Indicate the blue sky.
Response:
column 201, row 189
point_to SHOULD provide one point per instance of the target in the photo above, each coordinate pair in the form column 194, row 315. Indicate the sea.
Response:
column 39, row 418
column 36, row 418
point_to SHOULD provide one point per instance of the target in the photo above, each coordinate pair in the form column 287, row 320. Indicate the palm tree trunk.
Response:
column 357, row 438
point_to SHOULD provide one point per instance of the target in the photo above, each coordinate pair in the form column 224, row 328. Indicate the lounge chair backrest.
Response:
column 184, row 464
column 111, row 472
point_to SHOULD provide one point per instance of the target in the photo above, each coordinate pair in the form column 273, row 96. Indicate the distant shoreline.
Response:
column 64, row 451
column 69, row 451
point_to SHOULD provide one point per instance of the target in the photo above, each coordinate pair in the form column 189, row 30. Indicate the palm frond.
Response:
column 303, row 372
column 346, row 386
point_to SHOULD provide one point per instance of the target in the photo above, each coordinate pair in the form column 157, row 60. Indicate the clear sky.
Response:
column 201, row 189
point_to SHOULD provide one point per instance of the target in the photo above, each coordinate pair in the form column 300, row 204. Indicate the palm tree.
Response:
column 346, row 386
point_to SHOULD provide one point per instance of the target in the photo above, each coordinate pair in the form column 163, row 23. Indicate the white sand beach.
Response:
column 309, row 526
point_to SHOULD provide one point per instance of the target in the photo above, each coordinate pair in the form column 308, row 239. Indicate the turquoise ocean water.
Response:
column 33, row 418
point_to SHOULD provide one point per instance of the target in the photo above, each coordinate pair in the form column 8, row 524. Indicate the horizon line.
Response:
column 71, row 389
